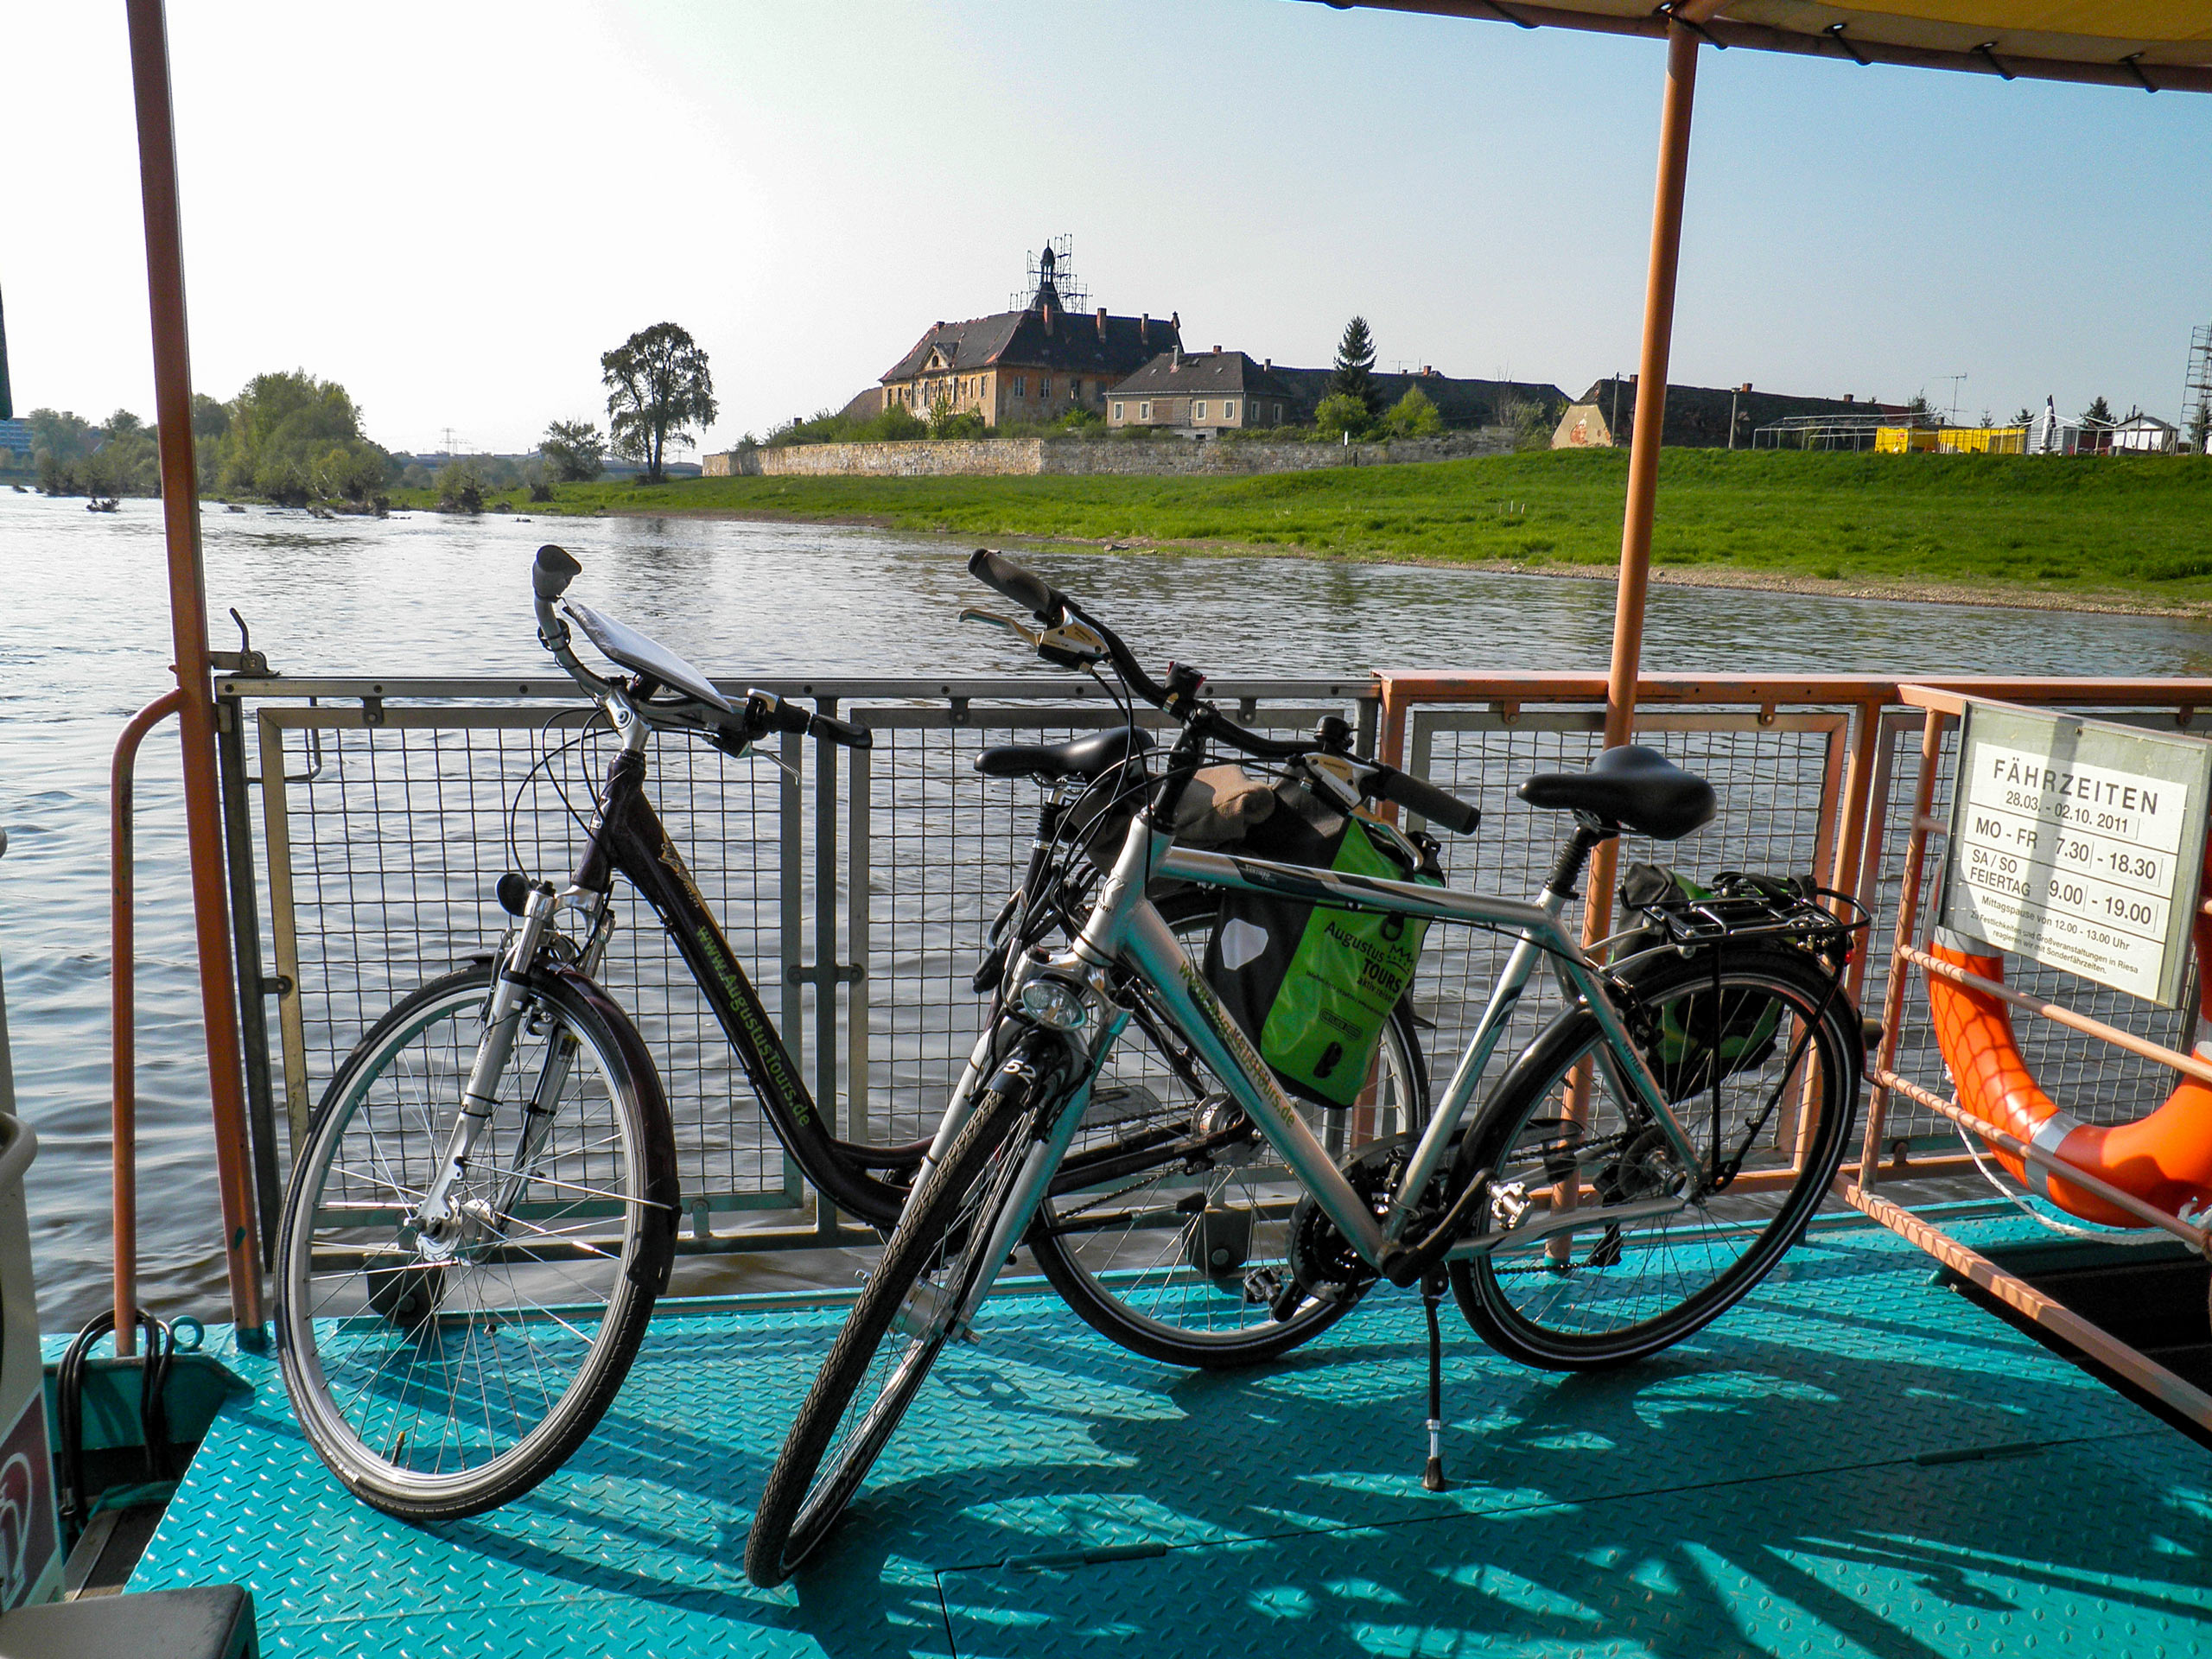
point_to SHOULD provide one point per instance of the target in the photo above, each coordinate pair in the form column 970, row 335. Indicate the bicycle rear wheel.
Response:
column 439, row 1378
column 1759, row 1063
column 896, row 1330
column 1179, row 1249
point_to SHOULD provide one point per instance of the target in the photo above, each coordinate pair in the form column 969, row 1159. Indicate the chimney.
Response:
column 1850, row 397
column 1102, row 322
column 1175, row 320
column 1268, row 367
column 1216, row 351
column 1144, row 331
column 1746, row 386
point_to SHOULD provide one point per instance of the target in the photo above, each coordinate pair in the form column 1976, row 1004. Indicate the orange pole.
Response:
column 1650, row 422
column 149, row 77
column 123, row 1006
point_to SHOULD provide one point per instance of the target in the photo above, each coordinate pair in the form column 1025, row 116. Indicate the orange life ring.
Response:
column 2165, row 1158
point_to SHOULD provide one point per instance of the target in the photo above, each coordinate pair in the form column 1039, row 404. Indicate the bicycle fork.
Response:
column 438, row 1216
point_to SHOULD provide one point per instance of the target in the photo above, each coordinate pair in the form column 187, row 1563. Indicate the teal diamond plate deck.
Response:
column 1758, row 1490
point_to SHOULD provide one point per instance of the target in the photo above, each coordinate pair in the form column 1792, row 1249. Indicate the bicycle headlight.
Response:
column 1055, row 1003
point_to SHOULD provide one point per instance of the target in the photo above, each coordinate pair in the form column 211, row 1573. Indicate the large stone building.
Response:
column 1036, row 364
column 1198, row 393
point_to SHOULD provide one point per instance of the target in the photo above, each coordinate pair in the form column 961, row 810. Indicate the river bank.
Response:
column 2130, row 535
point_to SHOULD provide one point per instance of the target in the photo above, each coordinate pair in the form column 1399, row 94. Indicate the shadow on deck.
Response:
column 1856, row 1462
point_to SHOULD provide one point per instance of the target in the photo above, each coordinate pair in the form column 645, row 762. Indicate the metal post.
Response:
column 149, row 75
column 1651, row 424
column 246, row 936
column 123, row 1014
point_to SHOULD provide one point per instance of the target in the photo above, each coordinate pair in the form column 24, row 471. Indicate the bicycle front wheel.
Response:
column 897, row 1329
column 440, row 1377
column 1755, row 1051
column 1180, row 1248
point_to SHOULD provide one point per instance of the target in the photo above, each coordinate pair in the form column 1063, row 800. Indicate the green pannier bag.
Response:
column 1316, row 985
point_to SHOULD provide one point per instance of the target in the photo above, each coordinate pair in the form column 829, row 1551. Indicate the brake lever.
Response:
column 1028, row 636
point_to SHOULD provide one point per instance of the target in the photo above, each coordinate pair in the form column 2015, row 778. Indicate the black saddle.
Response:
column 1637, row 788
column 1080, row 756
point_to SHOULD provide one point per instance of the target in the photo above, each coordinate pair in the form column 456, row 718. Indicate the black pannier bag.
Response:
column 1693, row 1049
column 1314, row 987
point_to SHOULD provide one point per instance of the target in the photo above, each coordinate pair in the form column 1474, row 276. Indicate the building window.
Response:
column 1229, row 409
column 1198, row 409
column 1043, row 386
column 1021, row 385
column 1277, row 414
column 1074, row 390
column 1117, row 411
column 1144, row 412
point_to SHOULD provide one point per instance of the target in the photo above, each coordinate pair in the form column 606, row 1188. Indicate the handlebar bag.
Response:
column 1689, row 1041
column 1316, row 985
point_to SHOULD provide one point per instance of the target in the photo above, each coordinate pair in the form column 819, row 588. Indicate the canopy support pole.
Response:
column 1651, row 421
column 149, row 77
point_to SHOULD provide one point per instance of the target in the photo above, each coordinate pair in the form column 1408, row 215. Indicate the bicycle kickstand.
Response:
column 1432, row 1292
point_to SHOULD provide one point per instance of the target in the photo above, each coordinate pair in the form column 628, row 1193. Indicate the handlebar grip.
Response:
column 1416, row 795
column 1026, row 588
column 842, row 731
column 765, row 711
column 552, row 573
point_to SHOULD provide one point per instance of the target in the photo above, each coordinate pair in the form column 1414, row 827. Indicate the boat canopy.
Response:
column 2150, row 44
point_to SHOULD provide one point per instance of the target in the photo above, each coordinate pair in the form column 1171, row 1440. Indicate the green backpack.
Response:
column 1317, row 985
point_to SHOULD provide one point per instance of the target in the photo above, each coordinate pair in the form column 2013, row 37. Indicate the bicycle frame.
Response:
column 628, row 837
column 1125, row 929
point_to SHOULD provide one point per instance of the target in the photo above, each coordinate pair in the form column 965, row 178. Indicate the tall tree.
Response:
column 1355, row 375
column 2099, row 413
column 657, row 388
column 574, row 450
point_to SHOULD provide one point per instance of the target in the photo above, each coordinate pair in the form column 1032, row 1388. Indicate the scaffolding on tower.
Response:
column 2196, row 392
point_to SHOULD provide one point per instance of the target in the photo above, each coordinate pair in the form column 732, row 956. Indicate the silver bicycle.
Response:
column 1643, row 1163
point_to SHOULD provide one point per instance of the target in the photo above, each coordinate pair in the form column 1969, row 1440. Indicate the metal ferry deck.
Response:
column 1855, row 1463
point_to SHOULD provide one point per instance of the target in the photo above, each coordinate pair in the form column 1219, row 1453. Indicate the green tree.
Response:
column 574, row 450
column 64, row 436
column 1413, row 415
column 283, row 429
column 461, row 488
column 1340, row 415
column 2099, row 413
column 1355, row 375
column 949, row 421
column 657, row 388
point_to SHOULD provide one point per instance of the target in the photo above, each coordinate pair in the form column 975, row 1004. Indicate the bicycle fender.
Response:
column 651, row 1266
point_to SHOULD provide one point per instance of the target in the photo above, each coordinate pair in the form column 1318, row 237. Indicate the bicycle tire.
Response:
column 1146, row 1284
column 1641, row 1288
column 952, row 1211
column 375, row 1326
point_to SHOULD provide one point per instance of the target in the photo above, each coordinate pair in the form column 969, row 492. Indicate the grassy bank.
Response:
column 2139, row 530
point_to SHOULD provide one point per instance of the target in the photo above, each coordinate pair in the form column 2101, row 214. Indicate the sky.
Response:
column 453, row 210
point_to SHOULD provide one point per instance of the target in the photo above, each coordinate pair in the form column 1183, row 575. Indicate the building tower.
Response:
column 1052, row 285
column 2196, row 393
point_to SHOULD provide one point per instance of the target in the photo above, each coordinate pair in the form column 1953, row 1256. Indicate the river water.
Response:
column 84, row 634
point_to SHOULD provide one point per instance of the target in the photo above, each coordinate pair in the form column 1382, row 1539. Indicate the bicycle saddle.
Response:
column 1080, row 756
column 1637, row 788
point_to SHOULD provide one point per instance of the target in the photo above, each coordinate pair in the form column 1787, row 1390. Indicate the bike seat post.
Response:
column 1589, row 835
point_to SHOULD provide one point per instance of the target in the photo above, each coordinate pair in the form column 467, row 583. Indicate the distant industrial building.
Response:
column 1698, row 417
column 1035, row 363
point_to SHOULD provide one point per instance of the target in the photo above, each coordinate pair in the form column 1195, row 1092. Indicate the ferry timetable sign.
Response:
column 2079, row 843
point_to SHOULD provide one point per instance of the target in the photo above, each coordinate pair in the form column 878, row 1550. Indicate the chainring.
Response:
column 1322, row 1259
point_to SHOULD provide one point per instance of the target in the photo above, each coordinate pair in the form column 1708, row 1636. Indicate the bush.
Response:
column 946, row 422
column 461, row 489
column 1340, row 413
column 1412, row 417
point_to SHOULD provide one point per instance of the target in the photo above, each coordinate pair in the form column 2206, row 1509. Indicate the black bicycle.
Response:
column 485, row 1208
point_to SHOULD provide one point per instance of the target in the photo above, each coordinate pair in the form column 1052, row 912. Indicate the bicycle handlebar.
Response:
column 1047, row 604
column 767, row 712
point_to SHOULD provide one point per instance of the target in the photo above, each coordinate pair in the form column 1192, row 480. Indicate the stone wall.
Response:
column 1077, row 457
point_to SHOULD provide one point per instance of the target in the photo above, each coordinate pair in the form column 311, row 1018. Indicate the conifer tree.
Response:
column 1355, row 375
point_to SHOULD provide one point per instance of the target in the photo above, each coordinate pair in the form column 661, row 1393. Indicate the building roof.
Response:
column 1697, row 417
column 1042, row 337
column 1460, row 402
column 1202, row 373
